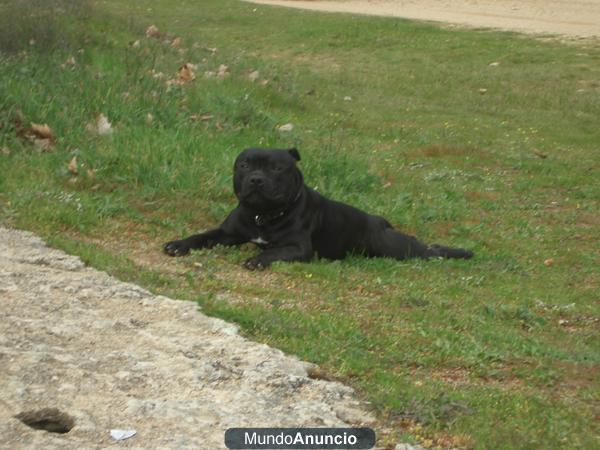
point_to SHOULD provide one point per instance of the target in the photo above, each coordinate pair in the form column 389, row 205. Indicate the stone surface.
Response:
column 408, row 447
column 79, row 346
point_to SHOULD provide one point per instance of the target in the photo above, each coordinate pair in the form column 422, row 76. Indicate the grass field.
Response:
column 478, row 139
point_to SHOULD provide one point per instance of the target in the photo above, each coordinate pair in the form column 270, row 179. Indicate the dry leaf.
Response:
column 223, row 71
column 187, row 72
column 103, row 126
column 202, row 117
column 483, row 91
column 5, row 151
column 73, row 166
column 253, row 76
column 70, row 62
column 41, row 136
column 549, row 262
column 149, row 118
column 152, row 32
column 135, row 44
column 41, row 131
column 540, row 154
column 43, row 145
column 176, row 42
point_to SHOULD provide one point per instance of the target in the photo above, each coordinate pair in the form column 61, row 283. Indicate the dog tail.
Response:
column 448, row 252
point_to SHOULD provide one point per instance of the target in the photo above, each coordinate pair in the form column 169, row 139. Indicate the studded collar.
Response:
column 260, row 220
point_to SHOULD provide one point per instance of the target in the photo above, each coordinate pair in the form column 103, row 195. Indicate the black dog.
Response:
column 290, row 221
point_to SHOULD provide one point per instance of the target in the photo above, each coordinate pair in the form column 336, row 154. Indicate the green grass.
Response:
column 498, row 352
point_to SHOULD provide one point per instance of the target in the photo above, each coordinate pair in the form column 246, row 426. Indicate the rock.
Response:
column 408, row 447
column 82, row 354
column 286, row 128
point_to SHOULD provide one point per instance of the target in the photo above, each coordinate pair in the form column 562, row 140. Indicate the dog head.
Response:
column 265, row 180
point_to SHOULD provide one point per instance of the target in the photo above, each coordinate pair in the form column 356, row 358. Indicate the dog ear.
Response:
column 294, row 153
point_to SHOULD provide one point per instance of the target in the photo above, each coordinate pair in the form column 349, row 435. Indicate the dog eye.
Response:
column 243, row 165
column 277, row 168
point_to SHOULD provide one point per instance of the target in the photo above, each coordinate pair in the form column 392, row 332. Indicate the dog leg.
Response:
column 203, row 240
column 394, row 244
column 300, row 252
column 448, row 252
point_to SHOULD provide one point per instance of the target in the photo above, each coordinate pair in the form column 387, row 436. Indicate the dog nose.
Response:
column 257, row 180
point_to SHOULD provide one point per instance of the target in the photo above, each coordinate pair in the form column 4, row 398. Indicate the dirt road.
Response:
column 575, row 18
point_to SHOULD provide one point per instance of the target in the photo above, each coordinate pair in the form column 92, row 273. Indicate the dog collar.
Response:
column 261, row 220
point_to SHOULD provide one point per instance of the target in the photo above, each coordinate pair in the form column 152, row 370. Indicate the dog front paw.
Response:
column 176, row 248
column 254, row 263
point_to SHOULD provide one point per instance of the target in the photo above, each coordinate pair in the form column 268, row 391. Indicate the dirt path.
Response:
column 575, row 18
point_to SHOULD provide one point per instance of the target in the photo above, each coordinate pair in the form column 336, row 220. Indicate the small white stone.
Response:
column 286, row 127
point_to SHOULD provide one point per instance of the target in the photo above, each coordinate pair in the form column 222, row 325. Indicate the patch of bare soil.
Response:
column 573, row 18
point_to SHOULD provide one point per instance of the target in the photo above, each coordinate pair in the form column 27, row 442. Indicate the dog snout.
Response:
column 257, row 180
